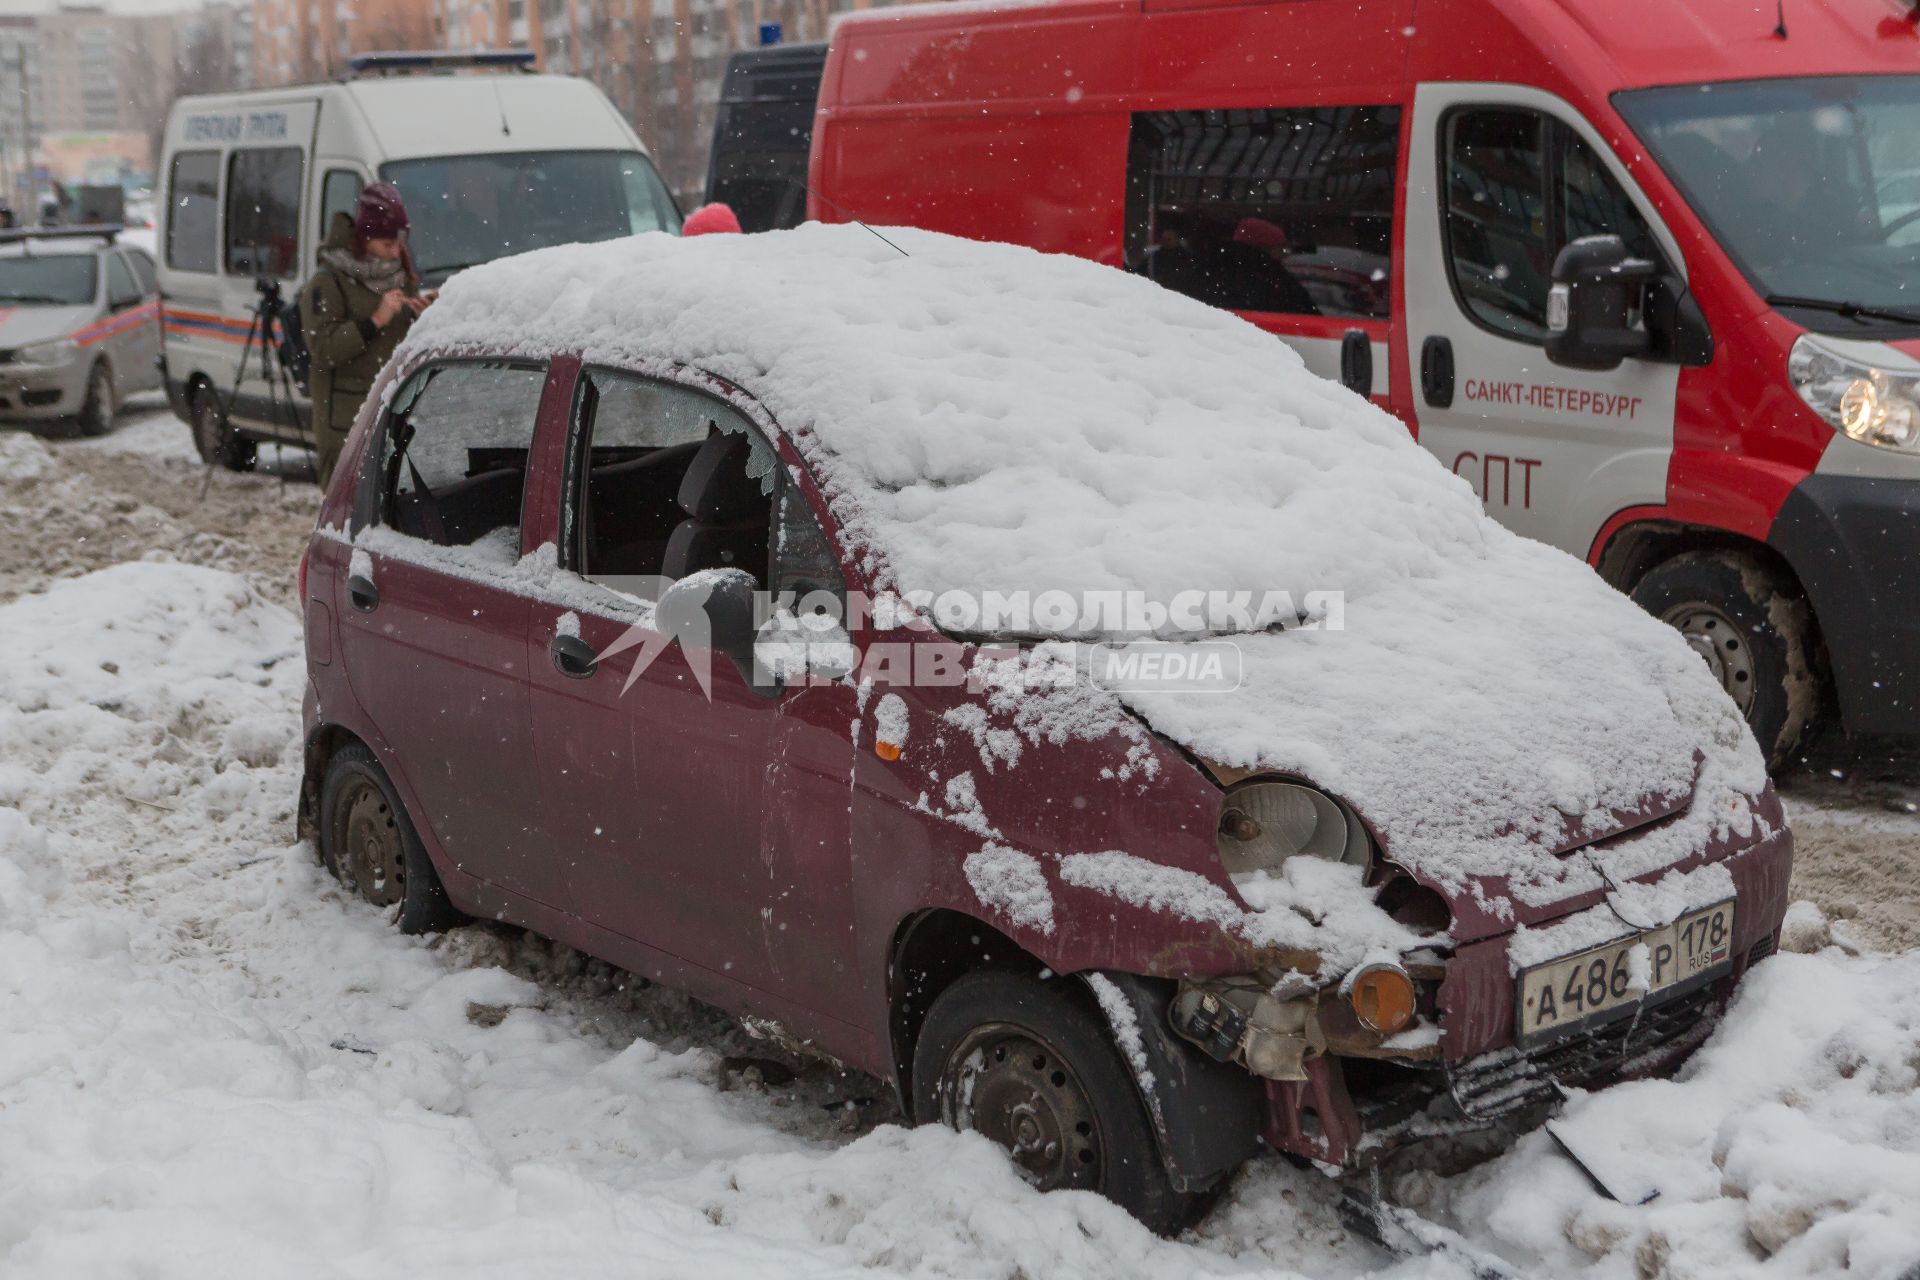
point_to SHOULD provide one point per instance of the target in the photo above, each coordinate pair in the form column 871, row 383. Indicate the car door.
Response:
column 144, row 374
column 1501, row 177
column 698, row 815
column 129, row 332
column 433, row 616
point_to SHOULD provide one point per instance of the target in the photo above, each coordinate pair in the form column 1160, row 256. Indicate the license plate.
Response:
column 1575, row 992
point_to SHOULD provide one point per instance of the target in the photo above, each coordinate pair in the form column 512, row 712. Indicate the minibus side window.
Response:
column 338, row 194
column 1266, row 210
column 1519, row 187
column 263, row 211
column 193, row 191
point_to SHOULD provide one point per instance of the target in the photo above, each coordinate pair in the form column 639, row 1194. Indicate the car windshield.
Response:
column 467, row 210
column 1812, row 185
column 48, row 280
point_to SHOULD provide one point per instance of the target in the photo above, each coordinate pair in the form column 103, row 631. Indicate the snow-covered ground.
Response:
column 213, row 1064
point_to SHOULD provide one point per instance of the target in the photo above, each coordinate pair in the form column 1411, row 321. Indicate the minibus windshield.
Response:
column 1812, row 185
column 64, row 279
column 466, row 210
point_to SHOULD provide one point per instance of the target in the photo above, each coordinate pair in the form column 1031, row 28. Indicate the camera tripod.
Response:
column 266, row 312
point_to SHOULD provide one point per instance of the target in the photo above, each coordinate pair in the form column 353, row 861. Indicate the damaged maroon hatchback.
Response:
column 1022, row 683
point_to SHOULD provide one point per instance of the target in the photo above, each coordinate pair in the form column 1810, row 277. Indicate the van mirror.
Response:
column 714, row 610
column 1594, row 308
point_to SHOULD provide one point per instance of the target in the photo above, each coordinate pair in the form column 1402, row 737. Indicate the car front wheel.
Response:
column 370, row 846
column 96, row 411
column 1753, row 630
column 1030, row 1066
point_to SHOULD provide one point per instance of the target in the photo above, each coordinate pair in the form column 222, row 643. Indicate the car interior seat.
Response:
column 726, row 516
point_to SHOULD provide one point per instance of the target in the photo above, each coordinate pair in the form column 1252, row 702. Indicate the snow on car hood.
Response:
column 988, row 418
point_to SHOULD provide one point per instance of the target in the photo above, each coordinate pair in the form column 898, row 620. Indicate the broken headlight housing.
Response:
column 1266, row 821
column 1872, row 405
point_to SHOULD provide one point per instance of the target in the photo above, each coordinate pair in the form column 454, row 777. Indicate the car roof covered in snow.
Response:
column 989, row 418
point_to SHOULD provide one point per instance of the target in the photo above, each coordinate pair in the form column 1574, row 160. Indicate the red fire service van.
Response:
column 1646, row 275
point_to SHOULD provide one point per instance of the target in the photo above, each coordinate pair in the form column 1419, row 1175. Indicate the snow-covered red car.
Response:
column 1023, row 683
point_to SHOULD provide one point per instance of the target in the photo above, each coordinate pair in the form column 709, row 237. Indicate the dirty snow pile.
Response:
column 988, row 418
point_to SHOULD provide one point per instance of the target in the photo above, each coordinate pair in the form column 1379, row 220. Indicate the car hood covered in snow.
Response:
column 988, row 418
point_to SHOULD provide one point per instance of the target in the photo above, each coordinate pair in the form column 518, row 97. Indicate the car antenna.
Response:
column 505, row 129
column 1780, row 19
column 849, row 217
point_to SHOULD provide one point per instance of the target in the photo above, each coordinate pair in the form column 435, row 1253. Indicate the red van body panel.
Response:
column 1013, row 124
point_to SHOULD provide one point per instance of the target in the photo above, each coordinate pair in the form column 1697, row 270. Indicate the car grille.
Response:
column 1509, row 1080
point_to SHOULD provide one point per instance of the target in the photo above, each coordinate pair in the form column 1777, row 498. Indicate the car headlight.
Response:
column 56, row 352
column 1874, row 406
column 1262, row 824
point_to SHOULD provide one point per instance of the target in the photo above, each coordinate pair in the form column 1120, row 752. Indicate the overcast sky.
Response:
column 117, row 6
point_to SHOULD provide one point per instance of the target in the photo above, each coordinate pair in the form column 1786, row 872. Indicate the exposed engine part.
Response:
column 1240, row 1020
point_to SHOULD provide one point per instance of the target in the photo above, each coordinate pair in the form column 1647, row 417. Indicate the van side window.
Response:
column 338, row 194
column 263, row 211
column 1273, row 210
column 453, row 459
column 666, row 480
column 193, row 191
column 1519, row 187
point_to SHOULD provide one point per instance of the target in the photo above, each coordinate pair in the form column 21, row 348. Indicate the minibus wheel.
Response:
column 1028, row 1065
column 219, row 444
column 370, row 846
column 1755, row 633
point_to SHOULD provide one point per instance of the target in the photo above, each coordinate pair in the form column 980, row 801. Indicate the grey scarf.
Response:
column 377, row 274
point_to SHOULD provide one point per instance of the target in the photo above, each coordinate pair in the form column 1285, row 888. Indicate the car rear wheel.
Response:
column 1753, row 630
column 215, row 437
column 1030, row 1066
column 96, row 411
column 370, row 846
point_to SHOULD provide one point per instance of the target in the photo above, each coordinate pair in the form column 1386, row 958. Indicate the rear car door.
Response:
column 1553, row 452
column 433, row 623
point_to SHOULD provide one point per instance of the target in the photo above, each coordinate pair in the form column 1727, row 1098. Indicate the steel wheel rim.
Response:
column 1008, row 1085
column 99, row 394
column 1722, row 644
column 367, row 843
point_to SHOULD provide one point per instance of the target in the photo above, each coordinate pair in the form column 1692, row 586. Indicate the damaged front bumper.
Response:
column 1312, row 1080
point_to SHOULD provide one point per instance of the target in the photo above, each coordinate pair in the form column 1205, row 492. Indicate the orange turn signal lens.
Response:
column 886, row 750
column 1382, row 996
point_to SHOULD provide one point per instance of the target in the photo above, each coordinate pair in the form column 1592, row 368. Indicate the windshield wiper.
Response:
column 1845, row 310
column 36, row 298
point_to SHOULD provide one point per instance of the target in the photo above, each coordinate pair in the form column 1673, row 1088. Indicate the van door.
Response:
column 1500, row 178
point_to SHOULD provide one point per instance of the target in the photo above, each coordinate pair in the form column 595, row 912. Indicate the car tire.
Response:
column 1755, row 631
column 218, row 443
column 1029, row 1065
column 369, row 844
column 97, row 410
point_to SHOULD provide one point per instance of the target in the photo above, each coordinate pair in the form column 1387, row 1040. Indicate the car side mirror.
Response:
column 1594, row 307
column 124, row 301
column 714, row 610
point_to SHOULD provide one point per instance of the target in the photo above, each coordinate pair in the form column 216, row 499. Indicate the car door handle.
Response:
column 1356, row 362
column 574, row 657
column 1436, row 371
column 365, row 596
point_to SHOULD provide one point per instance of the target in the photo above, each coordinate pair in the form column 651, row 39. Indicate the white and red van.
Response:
column 1718, row 407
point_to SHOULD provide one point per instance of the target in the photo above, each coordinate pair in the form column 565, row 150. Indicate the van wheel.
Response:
column 219, row 444
column 370, row 846
column 96, row 411
column 1755, row 632
column 1025, row 1064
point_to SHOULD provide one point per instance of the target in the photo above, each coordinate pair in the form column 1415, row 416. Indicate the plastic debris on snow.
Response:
column 987, row 418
